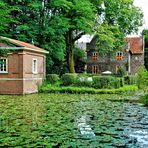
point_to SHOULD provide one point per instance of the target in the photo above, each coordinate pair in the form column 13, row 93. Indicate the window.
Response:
column 94, row 69
column 34, row 66
column 3, row 65
column 95, row 56
column 119, row 55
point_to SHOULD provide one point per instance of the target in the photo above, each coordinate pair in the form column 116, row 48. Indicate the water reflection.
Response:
column 137, row 118
column 84, row 128
column 142, row 138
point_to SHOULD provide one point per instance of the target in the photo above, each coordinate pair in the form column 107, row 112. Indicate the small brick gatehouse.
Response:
column 23, row 69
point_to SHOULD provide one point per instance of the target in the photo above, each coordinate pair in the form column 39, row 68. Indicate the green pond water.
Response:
column 72, row 121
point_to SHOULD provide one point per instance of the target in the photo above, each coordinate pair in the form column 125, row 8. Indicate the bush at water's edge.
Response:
column 86, row 90
column 144, row 99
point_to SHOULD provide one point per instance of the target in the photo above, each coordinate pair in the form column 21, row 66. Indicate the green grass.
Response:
column 82, row 90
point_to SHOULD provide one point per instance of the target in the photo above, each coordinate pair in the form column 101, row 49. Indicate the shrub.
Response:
column 106, row 82
column 83, row 90
column 69, row 79
column 121, row 82
column 121, row 71
column 52, row 78
column 84, row 81
column 130, row 79
column 118, row 82
column 142, row 77
column 144, row 99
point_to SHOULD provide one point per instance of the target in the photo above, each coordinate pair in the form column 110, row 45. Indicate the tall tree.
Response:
column 118, row 18
column 80, row 16
column 5, row 17
column 5, row 20
column 38, row 22
column 56, row 24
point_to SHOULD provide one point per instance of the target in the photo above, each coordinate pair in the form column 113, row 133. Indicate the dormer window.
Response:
column 119, row 55
column 95, row 56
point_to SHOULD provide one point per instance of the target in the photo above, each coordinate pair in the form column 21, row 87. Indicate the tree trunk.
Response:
column 70, row 51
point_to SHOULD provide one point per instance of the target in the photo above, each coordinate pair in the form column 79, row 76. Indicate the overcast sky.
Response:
column 143, row 4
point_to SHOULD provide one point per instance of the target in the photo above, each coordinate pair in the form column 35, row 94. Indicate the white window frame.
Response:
column 4, row 70
column 95, row 54
column 119, row 53
column 34, row 66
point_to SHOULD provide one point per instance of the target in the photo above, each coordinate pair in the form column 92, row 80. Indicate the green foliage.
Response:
column 56, row 25
column 122, row 83
column 3, row 51
column 144, row 99
column 80, row 60
column 109, row 38
column 146, row 58
column 121, row 71
column 68, row 79
column 86, row 90
column 5, row 19
column 5, row 15
column 106, row 82
column 52, row 78
column 142, row 77
column 118, row 18
column 130, row 79
column 84, row 81
column 145, row 33
column 124, row 14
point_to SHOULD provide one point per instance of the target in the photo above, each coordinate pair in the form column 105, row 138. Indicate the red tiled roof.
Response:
column 135, row 44
column 20, row 44
column 3, row 45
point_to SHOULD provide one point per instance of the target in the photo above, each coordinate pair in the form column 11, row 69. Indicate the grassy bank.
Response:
column 83, row 90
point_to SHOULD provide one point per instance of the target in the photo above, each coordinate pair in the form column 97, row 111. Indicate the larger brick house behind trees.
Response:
column 129, row 59
column 23, row 69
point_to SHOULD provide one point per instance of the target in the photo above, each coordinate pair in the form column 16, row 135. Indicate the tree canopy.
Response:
column 55, row 25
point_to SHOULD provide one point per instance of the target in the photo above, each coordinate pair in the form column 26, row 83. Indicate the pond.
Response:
column 77, row 121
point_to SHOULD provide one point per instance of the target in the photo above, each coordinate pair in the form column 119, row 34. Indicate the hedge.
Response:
column 106, row 82
column 68, row 79
column 86, row 90
column 52, row 78
column 130, row 79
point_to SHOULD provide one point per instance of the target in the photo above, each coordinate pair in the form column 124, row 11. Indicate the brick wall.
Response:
column 33, row 81
column 20, row 79
column 106, row 62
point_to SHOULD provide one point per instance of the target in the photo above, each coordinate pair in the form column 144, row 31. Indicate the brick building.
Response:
column 23, row 69
column 129, row 59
